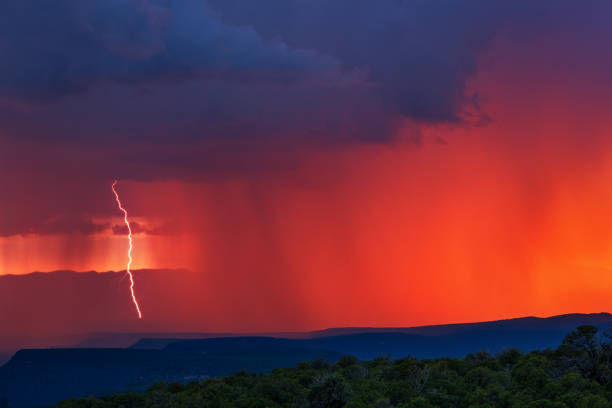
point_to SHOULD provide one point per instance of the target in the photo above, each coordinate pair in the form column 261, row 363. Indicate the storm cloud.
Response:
column 55, row 48
column 271, row 73
column 194, row 90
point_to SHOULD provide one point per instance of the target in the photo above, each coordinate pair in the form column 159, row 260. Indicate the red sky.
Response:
column 476, row 220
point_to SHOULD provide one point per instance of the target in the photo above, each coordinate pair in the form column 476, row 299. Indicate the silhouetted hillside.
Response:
column 455, row 340
column 577, row 374
column 39, row 377
column 561, row 322
column 44, row 377
column 393, row 344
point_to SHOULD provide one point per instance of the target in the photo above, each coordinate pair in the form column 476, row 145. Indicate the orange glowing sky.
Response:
column 382, row 235
column 483, row 221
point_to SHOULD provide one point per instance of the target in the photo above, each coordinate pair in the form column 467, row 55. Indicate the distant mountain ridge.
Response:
column 528, row 332
column 452, row 340
column 564, row 321
column 43, row 377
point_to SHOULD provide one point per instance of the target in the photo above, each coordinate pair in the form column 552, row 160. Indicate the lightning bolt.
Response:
column 129, row 254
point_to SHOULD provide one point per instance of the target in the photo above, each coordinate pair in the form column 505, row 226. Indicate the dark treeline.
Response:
column 577, row 374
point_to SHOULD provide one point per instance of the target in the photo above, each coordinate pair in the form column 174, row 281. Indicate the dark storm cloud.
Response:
column 138, row 228
column 54, row 48
column 410, row 57
column 419, row 53
column 415, row 55
column 166, row 80
column 55, row 225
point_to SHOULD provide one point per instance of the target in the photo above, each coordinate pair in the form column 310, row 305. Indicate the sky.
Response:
column 302, row 164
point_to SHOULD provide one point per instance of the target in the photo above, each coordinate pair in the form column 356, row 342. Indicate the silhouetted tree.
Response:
column 329, row 391
column 584, row 350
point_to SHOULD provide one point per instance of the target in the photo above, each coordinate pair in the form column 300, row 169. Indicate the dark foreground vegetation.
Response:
column 577, row 374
